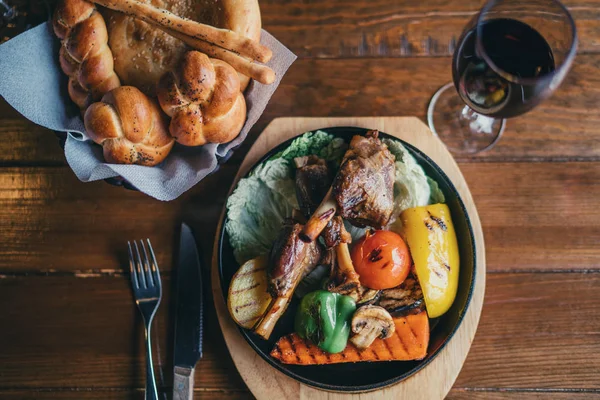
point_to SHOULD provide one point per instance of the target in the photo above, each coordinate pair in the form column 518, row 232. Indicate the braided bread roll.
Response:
column 84, row 55
column 130, row 127
column 203, row 98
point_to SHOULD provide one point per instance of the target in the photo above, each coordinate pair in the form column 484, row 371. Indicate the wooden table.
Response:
column 68, row 325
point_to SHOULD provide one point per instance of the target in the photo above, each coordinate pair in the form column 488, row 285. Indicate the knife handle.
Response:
column 183, row 383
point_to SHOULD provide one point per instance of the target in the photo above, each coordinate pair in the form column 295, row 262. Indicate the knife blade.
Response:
column 188, row 322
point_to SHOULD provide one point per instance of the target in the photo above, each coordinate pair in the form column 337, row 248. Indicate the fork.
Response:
column 147, row 290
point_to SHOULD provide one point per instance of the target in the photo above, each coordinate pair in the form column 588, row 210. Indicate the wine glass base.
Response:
column 461, row 129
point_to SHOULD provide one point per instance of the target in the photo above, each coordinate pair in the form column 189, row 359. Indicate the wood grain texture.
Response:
column 49, row 221
column 538, row 216
column 563, row 127
column 24, row 142
column 455, row 394
column 381, row 28
column 529, row 336
column 114, row 394
column 521, row 395
column 264, row 381
column 75, row 334
column 93, row 330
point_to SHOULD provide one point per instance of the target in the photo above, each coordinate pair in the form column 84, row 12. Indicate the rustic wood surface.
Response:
column 68, row 327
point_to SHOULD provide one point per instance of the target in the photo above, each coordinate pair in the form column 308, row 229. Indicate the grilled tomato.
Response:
column 382, row 260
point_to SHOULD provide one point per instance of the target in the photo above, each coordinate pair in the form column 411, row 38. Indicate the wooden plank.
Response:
column 115, row 394
column 457, row 394
column 50, row 221
column 564, row 127
column 536, row 216
column 92, row 329
column 535, row 332
column 524, row 207
column 23, row 142
column 27, row 143
column 359, row 28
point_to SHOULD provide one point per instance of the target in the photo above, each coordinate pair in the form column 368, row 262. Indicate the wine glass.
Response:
column 509, row 58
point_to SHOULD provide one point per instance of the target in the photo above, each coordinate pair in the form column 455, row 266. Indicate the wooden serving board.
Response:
column 436, row 379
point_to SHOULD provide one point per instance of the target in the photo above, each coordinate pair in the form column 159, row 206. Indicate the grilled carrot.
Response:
column 409, row 342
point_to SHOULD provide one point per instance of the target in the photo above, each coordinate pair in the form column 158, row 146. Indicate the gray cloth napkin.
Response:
column 32, row 82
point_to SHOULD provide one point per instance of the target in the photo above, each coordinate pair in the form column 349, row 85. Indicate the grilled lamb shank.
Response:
column 364, row 186
column 313, row 179
column 363, row 189
column 290, row 260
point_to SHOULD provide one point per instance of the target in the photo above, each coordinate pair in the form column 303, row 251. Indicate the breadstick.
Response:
column 258, row 72
column 220, row 37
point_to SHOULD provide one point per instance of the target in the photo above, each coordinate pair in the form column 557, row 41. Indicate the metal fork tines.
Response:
column 147, row 290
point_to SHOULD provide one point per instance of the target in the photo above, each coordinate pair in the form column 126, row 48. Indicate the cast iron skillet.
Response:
column 365, row 376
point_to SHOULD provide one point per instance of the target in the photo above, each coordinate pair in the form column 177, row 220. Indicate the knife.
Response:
column 188, row 323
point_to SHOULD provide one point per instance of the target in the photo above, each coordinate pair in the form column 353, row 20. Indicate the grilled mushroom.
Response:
column 370, row 323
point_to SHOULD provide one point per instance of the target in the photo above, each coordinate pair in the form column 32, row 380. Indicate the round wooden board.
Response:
column 436, row 379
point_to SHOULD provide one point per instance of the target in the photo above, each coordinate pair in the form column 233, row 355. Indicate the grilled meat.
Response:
column 335, row 233
column 364, row 186
column 343, row 278
column 291, row 259
column 313, row 179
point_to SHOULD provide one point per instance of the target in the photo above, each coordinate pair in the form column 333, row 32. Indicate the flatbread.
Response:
column 143, row 53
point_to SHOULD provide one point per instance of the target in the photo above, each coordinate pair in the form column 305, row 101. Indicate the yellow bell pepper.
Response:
column 433, row 246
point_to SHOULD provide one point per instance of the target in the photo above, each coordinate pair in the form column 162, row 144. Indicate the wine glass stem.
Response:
column 463, row 130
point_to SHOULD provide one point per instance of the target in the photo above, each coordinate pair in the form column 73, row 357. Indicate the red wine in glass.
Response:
column 516, row 49
column 510, row 57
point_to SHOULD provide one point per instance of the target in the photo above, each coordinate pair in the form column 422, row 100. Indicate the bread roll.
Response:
column 84, row 55
column 203, row 98
column 130, row 127
column 143, row 53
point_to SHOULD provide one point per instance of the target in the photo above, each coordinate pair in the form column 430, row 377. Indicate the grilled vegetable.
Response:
column 248, row 297
column 404, row 299
column 324, row 319
column 363, row 295
column 382, row 260
column 434, row 249
column 409, row 342
column 370, row 323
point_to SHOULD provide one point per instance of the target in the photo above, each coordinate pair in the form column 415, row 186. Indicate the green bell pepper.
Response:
column 324, row 319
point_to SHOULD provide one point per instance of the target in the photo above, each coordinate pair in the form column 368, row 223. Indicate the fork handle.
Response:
column 151, row 392
column 183, row 383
